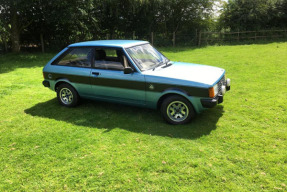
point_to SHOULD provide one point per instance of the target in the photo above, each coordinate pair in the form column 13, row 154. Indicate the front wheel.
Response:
column 67, row 95
column 177, row 110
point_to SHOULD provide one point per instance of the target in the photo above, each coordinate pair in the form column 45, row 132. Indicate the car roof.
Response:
column 110, row 43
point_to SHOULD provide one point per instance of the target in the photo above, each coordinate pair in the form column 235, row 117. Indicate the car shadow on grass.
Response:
column 109, row 116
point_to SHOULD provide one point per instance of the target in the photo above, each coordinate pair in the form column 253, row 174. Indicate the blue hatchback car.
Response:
column 135, row 73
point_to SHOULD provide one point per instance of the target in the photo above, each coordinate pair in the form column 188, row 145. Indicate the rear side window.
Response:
column 76, row 57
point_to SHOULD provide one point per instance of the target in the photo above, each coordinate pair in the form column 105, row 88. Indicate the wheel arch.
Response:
column 70, row 96
column 194, row 101
column 62, row 81
column 169, row 92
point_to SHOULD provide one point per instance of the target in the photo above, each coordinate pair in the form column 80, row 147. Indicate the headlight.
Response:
column 228, row 82
column 215, row 87
column 213, row 91
column 223, row 89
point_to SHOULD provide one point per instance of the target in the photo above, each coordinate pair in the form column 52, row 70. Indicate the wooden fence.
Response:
column 200, row 38
column 195, row 38
column 206, row 38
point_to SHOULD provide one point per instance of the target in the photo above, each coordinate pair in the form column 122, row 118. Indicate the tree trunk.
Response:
column 5, row 45
column 42, row 43
column 15, row 32
column 5, row 42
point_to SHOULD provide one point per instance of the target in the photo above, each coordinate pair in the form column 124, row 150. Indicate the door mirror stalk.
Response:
column 128, row 70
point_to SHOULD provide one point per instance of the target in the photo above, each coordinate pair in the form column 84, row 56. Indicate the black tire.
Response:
column 177, row 110
column 67, row 95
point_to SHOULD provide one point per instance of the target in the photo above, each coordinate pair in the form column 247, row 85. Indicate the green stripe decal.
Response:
column 126, row 84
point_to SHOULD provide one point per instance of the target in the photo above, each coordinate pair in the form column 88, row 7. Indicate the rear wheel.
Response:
column 177, row 110
column 67, row 95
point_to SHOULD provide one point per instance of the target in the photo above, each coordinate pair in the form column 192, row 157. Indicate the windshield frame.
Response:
column 164, row 60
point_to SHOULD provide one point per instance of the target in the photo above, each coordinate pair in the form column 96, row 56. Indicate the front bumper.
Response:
column 46, row 83
column 212, row 102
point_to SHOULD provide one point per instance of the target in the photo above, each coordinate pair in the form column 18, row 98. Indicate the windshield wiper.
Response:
column 157, row 65
column 167, row 64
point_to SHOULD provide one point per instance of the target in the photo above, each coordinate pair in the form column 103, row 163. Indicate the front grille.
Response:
column 220, row 83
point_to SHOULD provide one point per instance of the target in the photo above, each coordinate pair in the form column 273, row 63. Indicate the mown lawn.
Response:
column 238, row 146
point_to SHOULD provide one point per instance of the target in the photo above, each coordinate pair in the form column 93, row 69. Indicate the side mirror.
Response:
column 128, row 70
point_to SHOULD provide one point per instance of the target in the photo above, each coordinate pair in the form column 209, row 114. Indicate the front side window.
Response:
column 146, row 57
column 111, row 59
column 77, row 57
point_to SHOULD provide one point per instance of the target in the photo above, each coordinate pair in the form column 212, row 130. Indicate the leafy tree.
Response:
column 62, row 22
column 18, row 14
column 3, row 35
column 280, row 14
column 250, row 15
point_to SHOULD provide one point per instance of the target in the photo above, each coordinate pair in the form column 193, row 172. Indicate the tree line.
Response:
column 62, row 22
column 247, row 15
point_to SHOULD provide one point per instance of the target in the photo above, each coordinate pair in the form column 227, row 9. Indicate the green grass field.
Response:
column 238, row 146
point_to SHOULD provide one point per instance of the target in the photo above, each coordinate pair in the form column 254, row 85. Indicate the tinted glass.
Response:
column 77, row 57
column 111, row 59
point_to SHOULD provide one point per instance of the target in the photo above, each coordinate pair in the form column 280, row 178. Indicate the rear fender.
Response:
column 60, row 81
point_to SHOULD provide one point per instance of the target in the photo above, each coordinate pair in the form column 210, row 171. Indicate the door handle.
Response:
column 95, row 73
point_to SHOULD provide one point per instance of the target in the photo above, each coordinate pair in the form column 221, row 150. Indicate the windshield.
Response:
column 146, row 57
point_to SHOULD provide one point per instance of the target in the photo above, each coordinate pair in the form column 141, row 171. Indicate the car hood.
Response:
column 199, row 75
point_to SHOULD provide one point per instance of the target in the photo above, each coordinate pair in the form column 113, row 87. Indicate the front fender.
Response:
column 175, row 91
column 153, row 98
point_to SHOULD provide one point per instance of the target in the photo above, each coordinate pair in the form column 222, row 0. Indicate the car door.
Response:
column 109, row 81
